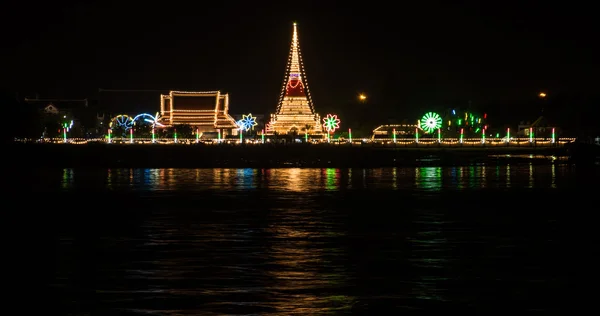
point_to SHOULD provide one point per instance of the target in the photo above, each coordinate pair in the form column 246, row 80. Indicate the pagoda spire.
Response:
column 295, row 58
column 294, row 82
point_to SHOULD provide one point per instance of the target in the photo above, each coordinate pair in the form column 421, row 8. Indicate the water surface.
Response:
column 308, row 241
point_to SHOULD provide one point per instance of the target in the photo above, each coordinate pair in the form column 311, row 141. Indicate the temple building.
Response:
column 295, row 112
column 208, row 111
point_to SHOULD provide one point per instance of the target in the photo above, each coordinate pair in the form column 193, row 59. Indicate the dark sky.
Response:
column 400, row 55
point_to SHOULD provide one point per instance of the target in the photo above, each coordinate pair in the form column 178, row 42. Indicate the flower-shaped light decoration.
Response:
column 430, row 122
column 248, row 122
column 331, row 123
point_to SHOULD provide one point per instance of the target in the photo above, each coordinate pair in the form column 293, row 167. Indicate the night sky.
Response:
column 406, row 58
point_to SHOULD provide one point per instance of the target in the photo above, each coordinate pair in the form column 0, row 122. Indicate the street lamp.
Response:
column 362, row 97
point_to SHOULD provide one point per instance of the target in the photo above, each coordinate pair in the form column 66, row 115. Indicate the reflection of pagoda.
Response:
column 295, row 111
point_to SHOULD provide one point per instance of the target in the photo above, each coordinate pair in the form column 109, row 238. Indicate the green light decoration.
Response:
column 531, row 134
column 350, row 135
column 483, row 136
column 331, row 123
column 430, row 122
column 262, row 136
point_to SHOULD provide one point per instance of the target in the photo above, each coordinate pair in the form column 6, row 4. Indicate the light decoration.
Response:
column 483, row 136
column 109, row 135
column 430, row 122
column 197, row 136
column 350, row 135
column 394, row 135
column 262, row 136
column 65, row 133
column 553, row 136
column 219, row 136
column 331, row 122
column 153, row 135
column 175, row 135
column 462, row 134
column 531, row 134
column 508, row 135
column 247, row 122
column 131, row 135
column 122, row 121
column 241, row 133
column 417, row 135
column 439, row 135
column 147, row 118
column 306, row 136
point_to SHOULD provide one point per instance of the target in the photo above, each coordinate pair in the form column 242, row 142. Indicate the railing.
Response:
column 399, row 142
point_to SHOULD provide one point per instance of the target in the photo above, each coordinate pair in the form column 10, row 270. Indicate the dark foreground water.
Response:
column 307, row 241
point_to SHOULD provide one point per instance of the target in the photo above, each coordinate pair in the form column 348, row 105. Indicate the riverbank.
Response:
column 265, row 156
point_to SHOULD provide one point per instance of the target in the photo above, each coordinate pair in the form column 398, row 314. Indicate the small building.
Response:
column 541, row 127
column 57, row 113
column 207, row 111
column 401, row 131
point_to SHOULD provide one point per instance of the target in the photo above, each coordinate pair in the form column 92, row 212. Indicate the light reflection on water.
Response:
column 306, row 241
column 328, row 179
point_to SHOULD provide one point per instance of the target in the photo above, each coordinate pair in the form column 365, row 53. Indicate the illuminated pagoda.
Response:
column 205, row 110
column 295, row 111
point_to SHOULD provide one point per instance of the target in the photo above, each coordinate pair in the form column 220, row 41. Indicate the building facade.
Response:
column 207, row 111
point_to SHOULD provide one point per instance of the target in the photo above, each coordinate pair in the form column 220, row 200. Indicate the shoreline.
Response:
column 271, row 156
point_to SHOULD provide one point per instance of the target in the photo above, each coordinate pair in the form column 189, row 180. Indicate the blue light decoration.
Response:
column 247, row 122
column 147, row 118
column 453, row 112
column 123, row 121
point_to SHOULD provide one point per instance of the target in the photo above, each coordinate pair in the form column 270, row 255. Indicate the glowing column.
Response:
column 328, row 137
column 153, row 135
column 65, row 133
column 508, row 135
column 462, row 134
column 131, row 135
column 553, row 136
column 531, row 134
column 219, row 136
column 439, row 135
column 241, row 132
column 416, row 135
column 394, row 135
column 109, row 135
column 197, row 136
column 306, row 136
column 350, row 135
column 175, row 136
column 262, row 136
column 483, row 136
